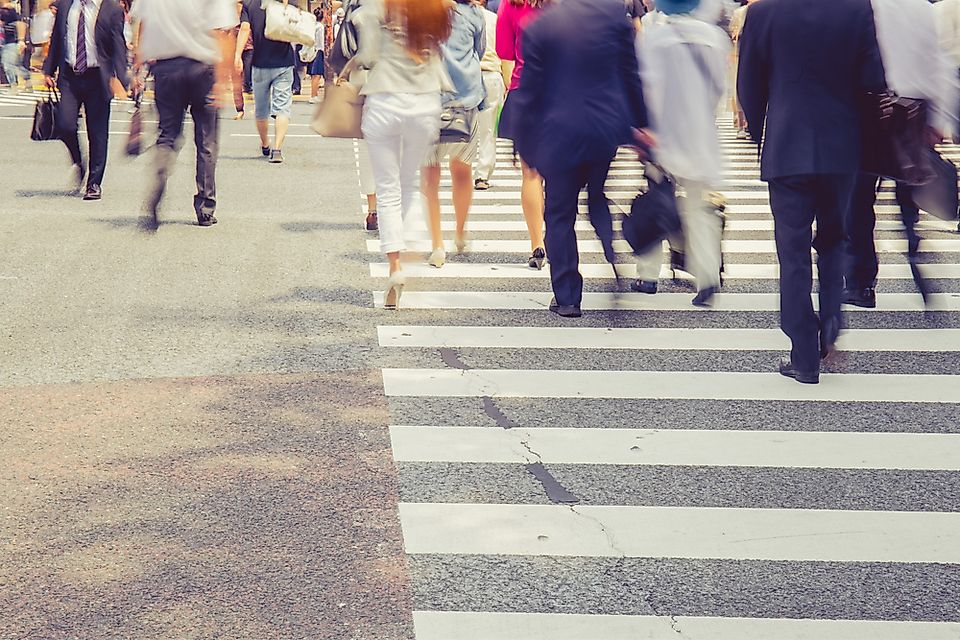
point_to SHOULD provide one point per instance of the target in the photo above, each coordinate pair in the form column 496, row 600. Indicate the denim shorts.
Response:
column 272, row 92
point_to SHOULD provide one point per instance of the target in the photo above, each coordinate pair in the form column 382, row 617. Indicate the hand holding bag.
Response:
column 45, row 118
column 286, row 23
column 340, row 115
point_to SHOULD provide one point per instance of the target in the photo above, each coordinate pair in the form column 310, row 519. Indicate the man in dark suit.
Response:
column 580, row 98
column 804, row 64
column 88, row 55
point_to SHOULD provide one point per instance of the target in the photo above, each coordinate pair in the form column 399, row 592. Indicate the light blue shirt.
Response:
column 462, row 53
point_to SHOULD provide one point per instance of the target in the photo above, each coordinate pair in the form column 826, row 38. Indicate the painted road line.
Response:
column 680, row 302
column 471, row 625
column 937, row 245
column 600, row 338
column 680, row 447
column 673, row 385
column 473, row 271
column 799, row 535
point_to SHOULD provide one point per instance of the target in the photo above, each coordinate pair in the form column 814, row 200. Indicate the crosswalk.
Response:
column 644, row 472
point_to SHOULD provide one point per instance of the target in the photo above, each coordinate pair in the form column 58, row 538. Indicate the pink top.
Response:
column 511, row 20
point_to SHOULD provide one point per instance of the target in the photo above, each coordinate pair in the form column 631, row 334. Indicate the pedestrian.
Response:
column 461, row 56
column 513, row 17
column 273, row 66
column 683, row 64
column 916, row 67
column 493, row 73
column 190, row 45
column 804, row 66
column 88, row 62
column 400, row 44
column 14, row 43
column 579, row 100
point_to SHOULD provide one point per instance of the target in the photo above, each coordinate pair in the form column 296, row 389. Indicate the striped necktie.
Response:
column 81, row 65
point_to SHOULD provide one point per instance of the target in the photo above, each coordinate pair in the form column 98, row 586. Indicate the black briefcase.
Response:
column 45, row 118
column 894, row 138
column 654, row 214
column 939, row 196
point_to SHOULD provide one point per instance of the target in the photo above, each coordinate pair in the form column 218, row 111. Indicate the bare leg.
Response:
column 462, row 175
column 531, row 199
column 430, row 187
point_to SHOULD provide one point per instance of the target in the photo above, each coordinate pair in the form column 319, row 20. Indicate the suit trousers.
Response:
column 89, row 91
column 562, row 204
column 798, row 201
column 181, row 84
column 863, row 265
column 702, row 235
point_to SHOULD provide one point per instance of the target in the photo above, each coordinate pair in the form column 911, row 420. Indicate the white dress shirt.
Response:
column 183, row 28
column 915, row 65
column 90, row 13
column 683, row 64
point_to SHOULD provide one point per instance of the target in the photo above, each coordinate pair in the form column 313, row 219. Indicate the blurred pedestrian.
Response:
column 579, row 100
column 400, row 44
column 190, row 46
column 273, row 69
column 811, row 149
column 88, row 62
column 512, row 18
column 684, row 67
column 461, row 56
column 493, row 73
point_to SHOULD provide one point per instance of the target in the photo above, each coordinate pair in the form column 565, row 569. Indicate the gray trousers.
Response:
column 182, row 84
column 702, row 232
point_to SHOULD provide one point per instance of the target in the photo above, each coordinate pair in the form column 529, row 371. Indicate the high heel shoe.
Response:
column 537, row 259
column 395, row 285
column 461, row 243
column 438, row 258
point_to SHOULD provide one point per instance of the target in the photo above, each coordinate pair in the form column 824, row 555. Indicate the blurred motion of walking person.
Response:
column 400, row 44
column 189, row 44
column 513, row 17
column 461, row 55
column 804, row 66
column 14, row 43
column 88, row 56
column 579, row 100
column 683, row 64
column 492, row 68
column 916, row 67
column 273, row 65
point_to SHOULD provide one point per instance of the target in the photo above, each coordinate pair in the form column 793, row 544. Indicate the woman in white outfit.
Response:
column 683, row 63
column 400, row 45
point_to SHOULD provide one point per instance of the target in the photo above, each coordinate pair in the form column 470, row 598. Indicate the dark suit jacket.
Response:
column 804, row 65
column 580, row 92
column 108, row 34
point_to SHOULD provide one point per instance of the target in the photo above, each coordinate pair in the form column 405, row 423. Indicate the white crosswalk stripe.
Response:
column 524, row 449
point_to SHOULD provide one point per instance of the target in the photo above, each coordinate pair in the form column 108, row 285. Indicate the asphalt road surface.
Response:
column 215, row 433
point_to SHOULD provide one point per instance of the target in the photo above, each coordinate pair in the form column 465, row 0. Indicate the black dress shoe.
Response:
column 865, row 298
column 93, row 192
column 644, row 286
column 787, row 369
column 705, row 297
column 565, row 310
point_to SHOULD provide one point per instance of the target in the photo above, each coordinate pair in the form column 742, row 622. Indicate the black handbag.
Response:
column 939, row 196
column 456, row 124
column 45, row 118
column 654, row 214
column 894, row 138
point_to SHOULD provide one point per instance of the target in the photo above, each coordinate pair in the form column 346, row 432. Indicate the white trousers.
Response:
column 399, row 129
column 702, row 231
column 487, row 122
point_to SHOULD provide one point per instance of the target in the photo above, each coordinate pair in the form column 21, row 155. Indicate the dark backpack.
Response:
column 346, row 44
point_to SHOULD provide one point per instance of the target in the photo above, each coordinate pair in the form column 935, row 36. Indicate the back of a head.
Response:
column 426, row 22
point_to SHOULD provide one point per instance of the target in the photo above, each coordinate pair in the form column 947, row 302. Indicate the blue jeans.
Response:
column 273, row 92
